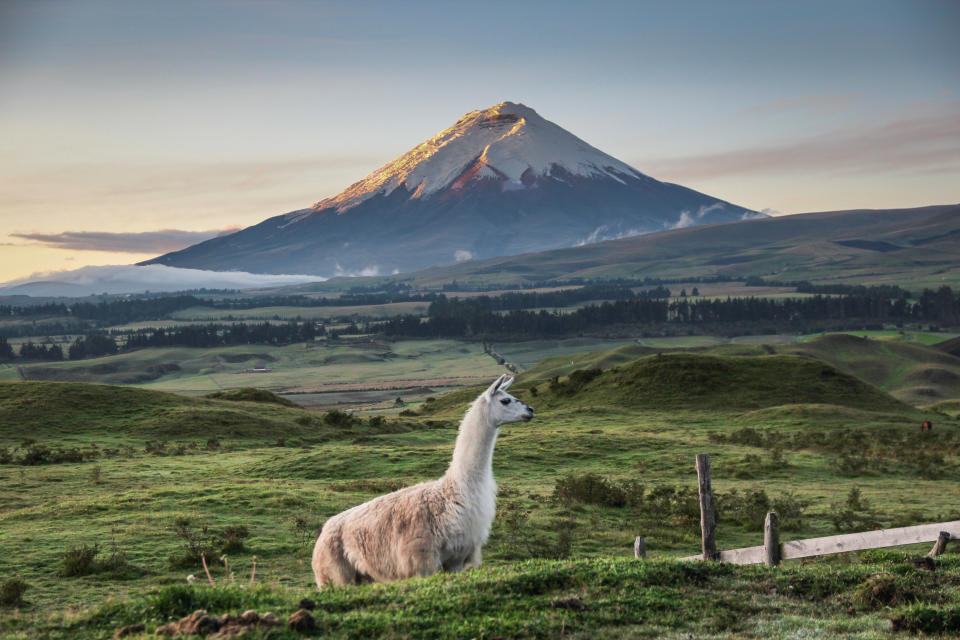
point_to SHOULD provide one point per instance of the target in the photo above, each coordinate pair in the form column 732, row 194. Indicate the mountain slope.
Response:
column 919, row 245
column 500, row 181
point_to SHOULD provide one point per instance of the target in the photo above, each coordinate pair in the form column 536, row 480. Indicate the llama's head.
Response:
column 504, row 408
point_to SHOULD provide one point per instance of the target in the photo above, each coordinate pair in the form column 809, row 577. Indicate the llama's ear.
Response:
column 493, row 388
column 506, row 384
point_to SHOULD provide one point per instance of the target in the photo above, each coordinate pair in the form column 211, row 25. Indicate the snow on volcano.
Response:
column 515, row 145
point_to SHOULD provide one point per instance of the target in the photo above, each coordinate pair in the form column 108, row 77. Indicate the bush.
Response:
column 855, row 514
column 594, row 489
column 340, row 419
column 232, row 537
column 12, row 590
column 197, row 541
column 79, row 561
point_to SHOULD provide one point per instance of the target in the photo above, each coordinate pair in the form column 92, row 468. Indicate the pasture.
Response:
column 608, row 457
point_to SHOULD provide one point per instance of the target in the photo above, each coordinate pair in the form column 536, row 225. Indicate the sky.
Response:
column 129, row 129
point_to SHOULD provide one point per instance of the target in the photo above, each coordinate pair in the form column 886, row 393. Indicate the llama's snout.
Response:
column 528, row 415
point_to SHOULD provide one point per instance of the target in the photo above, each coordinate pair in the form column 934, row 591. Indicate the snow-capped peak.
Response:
column 508, row 141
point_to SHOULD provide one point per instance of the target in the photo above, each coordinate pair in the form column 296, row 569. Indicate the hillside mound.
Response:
column 914, row 373
column 79, row 410
column 951, row 346
column 696, row 381
column 251, row 394
column 604, row 359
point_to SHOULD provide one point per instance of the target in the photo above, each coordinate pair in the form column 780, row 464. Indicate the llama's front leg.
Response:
column 475, row 558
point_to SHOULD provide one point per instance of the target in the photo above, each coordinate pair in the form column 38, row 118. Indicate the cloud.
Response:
column 823, row 102
column 603, row 233
column 369, row 270
column 152, row 242
column 920, row 144
column 685, row 220
column 135, row 279
column 462, row 255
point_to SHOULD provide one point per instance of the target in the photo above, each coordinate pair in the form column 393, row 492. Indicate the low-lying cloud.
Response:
column 151, row 242
column 137, row 279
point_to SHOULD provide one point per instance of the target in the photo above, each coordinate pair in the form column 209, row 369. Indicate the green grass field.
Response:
column 321, row 366
column 781, row 430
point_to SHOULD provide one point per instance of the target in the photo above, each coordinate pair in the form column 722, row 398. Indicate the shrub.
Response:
column 79, row 561
column 197, row 541
column 12, row 590
column 855, row 514
column 790, row 511
column 340, row 419
column 232, row 537
column 594, row 489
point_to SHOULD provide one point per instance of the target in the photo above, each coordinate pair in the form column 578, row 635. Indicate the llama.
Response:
column 433, row 526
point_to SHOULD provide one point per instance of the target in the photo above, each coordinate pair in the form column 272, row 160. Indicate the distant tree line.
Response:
column 469, row 317
column 97, row 344
column 220, row 335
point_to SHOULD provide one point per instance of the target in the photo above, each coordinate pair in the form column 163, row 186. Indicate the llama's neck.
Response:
column 472, row 462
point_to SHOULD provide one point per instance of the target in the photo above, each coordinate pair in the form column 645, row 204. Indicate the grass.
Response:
column 640, row 422
column 596, row 598
column 320, row 366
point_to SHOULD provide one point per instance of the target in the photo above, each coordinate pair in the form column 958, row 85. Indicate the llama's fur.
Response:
column 433, row 526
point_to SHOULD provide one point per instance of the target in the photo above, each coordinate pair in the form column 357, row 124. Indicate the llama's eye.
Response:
column 505, row 401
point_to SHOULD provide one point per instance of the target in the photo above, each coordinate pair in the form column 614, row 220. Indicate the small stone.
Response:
column 170, row 629
column 230, row 631
column 199, row 623
column 302, row 621
column 270, row 619
column 307, row 603
column 130, row 629
column 249, row 617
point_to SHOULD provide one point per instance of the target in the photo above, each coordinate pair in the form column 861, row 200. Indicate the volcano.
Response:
column 500, row 181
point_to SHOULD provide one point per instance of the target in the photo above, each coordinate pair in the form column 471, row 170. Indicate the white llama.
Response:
column 433, row 526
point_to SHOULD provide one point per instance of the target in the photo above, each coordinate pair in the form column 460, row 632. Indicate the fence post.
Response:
column 639, row 547
column 941, row 544
column 771, row 540
column 708, row 520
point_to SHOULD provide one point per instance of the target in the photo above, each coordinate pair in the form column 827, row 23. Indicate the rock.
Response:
column 198, row 623
column 170, row 629
column 307, row 603
column 231, row 631
column 249, row 617
column 270, row 619
column 302, row 621
column 130, row 629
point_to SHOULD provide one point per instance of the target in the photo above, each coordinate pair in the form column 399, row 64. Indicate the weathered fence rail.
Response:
column 842, row 543
column 771, row 552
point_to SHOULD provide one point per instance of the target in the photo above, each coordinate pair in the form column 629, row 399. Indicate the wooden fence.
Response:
column 772, row 551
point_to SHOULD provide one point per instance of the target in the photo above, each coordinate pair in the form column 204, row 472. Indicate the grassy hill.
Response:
column 914, row 373
column 76, row 413
column 608, row 457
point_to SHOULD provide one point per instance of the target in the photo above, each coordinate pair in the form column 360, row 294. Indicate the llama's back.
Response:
column 394, row 536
